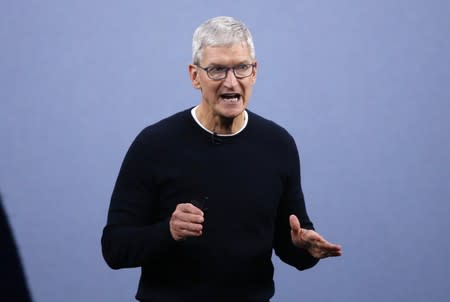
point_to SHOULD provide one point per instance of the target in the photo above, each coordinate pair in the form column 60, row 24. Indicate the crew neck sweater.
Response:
column 247, row 185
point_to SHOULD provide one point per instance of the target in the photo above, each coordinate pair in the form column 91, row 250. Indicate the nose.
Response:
column 230, row 80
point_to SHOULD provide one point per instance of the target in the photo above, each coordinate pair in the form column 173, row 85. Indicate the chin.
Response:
column 231, row 112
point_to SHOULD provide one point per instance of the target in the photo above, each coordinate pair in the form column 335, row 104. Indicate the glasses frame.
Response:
column 227, row 69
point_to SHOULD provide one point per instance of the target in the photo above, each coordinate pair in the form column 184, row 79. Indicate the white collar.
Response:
column 194, row 115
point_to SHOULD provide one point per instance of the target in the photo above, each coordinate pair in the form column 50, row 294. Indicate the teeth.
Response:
column 232, row 100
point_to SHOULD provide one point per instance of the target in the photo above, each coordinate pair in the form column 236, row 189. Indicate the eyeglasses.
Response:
column 217, row 73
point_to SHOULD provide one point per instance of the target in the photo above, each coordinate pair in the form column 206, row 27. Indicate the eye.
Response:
column 217, row 69
column 242, row 67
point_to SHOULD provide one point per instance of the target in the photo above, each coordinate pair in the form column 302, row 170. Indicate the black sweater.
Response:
column 248, row 185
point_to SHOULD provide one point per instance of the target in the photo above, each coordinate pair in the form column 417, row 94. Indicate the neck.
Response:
column 220, row 124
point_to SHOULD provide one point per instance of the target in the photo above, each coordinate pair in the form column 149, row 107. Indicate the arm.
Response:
column 292, row 202
column 296, row 242
column 134, row 234
column 283, row 245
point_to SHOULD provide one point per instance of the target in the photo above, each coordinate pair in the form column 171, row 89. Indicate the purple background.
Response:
column 363, row 86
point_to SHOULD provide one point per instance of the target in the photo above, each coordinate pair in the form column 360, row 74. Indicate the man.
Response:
column 13, row 286
column 204, row 196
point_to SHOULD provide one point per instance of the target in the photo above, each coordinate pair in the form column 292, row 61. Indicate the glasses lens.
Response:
column 220, row 72
column 217, row 72
column 243, row 70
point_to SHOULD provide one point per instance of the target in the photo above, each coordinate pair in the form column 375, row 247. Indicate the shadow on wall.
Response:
column 13, row 285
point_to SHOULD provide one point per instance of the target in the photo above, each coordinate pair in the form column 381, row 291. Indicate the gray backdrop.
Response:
column 363, row 86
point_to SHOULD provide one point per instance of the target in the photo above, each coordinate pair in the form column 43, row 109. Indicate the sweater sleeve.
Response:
column 292, row 202
column 134, row 235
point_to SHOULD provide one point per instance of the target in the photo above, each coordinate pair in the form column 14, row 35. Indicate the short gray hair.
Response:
column 220, row 31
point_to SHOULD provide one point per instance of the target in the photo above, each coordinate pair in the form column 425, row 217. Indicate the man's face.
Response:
column 228, row 97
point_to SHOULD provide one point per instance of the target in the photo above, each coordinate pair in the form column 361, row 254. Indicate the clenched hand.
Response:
column 186, row 221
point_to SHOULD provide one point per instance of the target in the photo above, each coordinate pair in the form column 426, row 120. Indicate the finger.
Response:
column 194, row 227
column 318, row 240
column 333, row 247
column 329, row 249
column 334, row 254
column 183, row 225
column 294, row 223
column 335, row 251
column 189, row 208
column 184, row 234
column 331, row 254
column 178, row 215
column 324, row 253
column 188, row 233
column 180, row 229
column 324, row 244
column 188, row 217
column 321, row 247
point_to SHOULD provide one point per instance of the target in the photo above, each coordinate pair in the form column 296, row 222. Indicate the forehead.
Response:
column 226, row 55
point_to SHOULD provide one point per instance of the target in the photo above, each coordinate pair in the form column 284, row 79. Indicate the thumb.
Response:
column 294, row 223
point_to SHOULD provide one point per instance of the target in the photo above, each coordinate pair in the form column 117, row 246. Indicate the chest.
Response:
column 225, row 179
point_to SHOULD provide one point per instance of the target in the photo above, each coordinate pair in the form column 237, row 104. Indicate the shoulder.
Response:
column 269, row 130
column 166, row 127
column 162, row 135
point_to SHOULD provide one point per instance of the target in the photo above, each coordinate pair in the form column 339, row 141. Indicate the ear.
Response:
column 193, row 75
column 255, row 69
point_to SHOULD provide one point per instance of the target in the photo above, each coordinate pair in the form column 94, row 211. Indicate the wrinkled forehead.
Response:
column 226, row 54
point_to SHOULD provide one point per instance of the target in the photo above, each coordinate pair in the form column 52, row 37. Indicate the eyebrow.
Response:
column 223, row 65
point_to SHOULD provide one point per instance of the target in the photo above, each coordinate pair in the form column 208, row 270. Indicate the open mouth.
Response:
column 230, row 97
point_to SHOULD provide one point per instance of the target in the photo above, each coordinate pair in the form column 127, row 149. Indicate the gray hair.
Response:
column 220, row 31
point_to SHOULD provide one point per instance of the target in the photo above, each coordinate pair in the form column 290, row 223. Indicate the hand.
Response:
column 186, row 221
column 311, row 241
